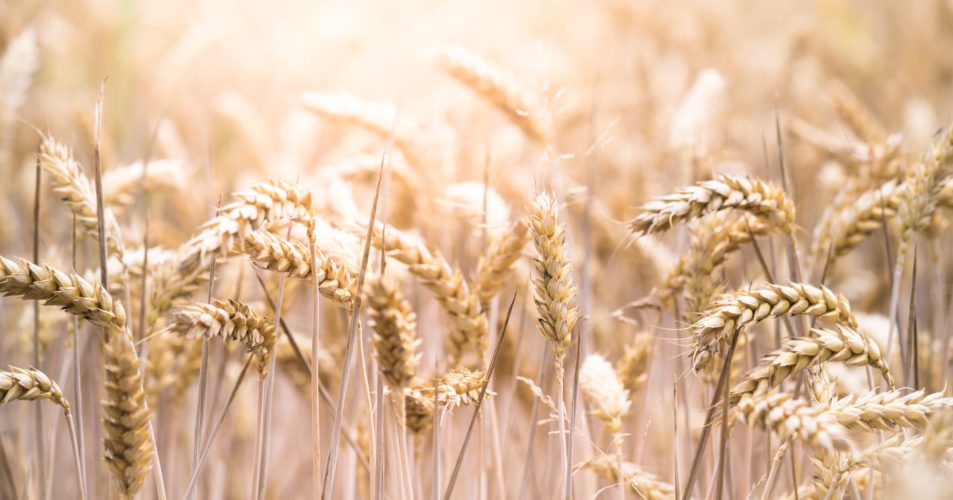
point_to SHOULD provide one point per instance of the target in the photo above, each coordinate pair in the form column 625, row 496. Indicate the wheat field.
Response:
column 476, row 250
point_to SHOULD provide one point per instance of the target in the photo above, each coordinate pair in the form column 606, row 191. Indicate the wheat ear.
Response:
column 499, row 87
column 496, row 266
column 231, row 320
column 640, row 482
column 724, row 192
column 840, row 344
column 737, row 310
column 29, row 384
column 888, row 410
column 395, row 334
column 792, row 418
column 275, row 253
column 69, row 181
column 468, row 338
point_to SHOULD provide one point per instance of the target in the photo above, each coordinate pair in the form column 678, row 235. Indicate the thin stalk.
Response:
column 436, row 438
column 78, row 375
column 203, row 380
column 80, row 477
column 348, row 352
column 772, row 474
column 262, row 473
column 315, row 379
column 218, row 425
column 528, row 460
column 706, row 429
column 912, row 329
column 38, row 434
column 476, row 410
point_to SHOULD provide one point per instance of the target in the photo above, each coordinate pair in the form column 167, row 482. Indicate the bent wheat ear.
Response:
column 737, row 310
column 460, row 387
column 724, row 192
column 231, row 320
column 793, row 419
column 642, row 483
column 29, row 384
column 839, row 344
column 497, row 265
column 73, row 186
column 499, row 87
column 469, row 334
column 274, row 253
column 889, row 410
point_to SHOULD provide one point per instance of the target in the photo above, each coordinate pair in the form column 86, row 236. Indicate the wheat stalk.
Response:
column 737, row 310
column 724, row 192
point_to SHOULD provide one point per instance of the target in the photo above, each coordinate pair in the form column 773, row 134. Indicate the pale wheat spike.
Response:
column 642, row 483
column 856, row 115
column 468, row 337
column 128, row 440
column 395, row 333
column 792, row 418
column 924, row 184
column 555, row 294
column 888, row 410
column 724, row 192
column 604, row 391
column 70, row 182
column 509, row 94
column 460, row 386
column 29, row 384
column 838, row 345
column 496, row 266
column 841, row 230
column 272, row 252
column 121, row 184
column 739, row 309
column 67, row 291
column 17, row 66
column 698, row 271
column 635, row 361
column 380, row 118
column 232, row 321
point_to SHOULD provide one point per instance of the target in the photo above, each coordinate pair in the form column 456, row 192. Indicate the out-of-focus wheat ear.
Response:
column 521, row 104
column 641, row 483
column 856, row 115
column 633, row 367
column 17, row 66
column 73, row 186
column 724, row 192
column 792, row 418
column 496, row 266
column 604, row 391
